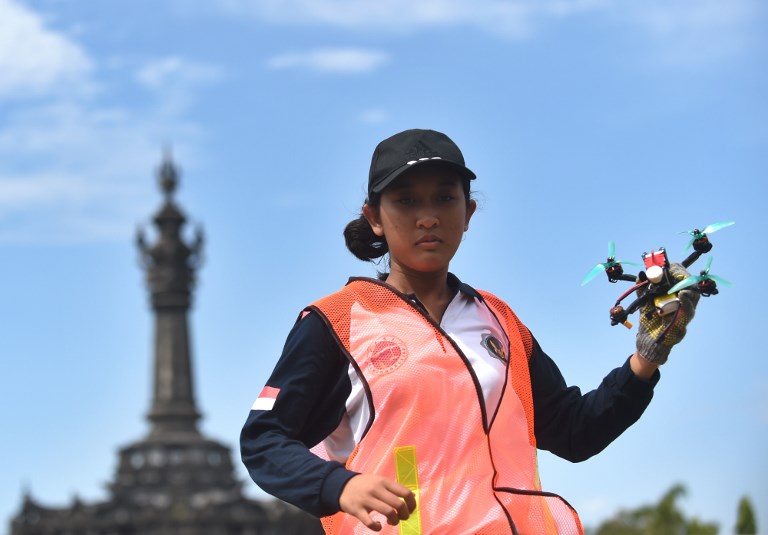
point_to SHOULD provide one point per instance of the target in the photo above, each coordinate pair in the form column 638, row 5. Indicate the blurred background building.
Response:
column 175, row 480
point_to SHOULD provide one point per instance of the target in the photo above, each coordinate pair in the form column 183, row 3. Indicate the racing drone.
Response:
column 656, row 282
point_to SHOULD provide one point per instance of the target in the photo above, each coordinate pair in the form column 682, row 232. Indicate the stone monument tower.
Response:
column 174, row 481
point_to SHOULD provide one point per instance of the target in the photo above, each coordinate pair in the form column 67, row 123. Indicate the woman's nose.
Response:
column 427, row 221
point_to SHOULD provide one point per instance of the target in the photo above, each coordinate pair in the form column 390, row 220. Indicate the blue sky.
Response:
column 585, row 120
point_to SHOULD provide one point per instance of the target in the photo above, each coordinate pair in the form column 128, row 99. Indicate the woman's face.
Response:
column 422, row 215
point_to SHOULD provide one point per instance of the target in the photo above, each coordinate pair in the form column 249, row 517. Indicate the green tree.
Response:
column 663, row 518
column 696, row 528
column 746, row 523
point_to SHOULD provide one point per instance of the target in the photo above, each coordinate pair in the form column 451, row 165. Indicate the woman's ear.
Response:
column 373, row 216
column 471, row 207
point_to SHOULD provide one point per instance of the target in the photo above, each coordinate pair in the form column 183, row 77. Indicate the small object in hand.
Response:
column 666, row 304
column 657, row 332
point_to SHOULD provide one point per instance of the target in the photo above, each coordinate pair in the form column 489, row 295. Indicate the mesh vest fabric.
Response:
column 477, row 472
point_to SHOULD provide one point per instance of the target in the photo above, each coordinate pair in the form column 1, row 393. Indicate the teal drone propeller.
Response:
column 611, row 266
column 697, row 234
column 704, row 282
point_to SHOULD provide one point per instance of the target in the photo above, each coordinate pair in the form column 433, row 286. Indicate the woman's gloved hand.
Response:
column 657, row 334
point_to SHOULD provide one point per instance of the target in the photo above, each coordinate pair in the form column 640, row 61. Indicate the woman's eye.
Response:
column 406, row 200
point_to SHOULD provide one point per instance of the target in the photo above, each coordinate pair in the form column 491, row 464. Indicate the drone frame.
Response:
column 659, row 289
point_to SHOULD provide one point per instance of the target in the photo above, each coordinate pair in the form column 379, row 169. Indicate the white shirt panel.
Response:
column 345, row 437
column 468, row 322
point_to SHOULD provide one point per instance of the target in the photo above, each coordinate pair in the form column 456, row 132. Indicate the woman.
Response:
column 423, row 400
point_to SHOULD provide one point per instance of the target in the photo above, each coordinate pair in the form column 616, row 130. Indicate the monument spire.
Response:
column 170, row 266
column 175, row 480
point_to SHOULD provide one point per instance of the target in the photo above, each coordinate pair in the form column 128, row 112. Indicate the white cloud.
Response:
column 513, row 18
column 70, row 172
column 176, row 81
column 29, row 190
column 35, row 60
column 78, row 171
column 695, row 31
column 57, row 206
column 374, row 116
column 72, row 167
column 177, row 72
column 678, row 30
column 691, row 15
column 330, row 60
column 350, row 13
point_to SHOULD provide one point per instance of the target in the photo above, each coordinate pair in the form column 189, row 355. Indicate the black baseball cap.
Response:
column 410, row 148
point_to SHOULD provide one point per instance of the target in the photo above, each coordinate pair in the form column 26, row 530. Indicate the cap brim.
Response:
column 463, row 172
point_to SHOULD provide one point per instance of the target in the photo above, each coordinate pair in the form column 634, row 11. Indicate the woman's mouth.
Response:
column 428, row 241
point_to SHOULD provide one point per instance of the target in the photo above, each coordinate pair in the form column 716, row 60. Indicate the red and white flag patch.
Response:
column 266, row 399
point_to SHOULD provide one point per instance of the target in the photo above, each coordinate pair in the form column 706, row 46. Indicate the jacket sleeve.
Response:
column 576, row 426
column 311, row 383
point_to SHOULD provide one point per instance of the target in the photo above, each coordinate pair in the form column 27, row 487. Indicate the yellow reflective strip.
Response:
column 549, row 520
column 408, row 475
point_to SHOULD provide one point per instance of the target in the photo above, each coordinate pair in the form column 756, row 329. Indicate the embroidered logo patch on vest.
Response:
column 385, row 355
column 494, row 347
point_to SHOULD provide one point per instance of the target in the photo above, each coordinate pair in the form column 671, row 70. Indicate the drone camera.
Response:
column 655, row 274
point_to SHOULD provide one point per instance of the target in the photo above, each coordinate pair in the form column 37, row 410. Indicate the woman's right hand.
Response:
column 365, row 493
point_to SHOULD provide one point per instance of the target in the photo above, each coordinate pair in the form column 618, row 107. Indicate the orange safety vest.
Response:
column 472, row 472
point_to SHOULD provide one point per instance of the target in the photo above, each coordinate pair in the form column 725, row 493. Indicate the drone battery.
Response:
column 666, row 304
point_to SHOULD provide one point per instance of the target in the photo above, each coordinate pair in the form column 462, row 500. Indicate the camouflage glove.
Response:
column 657, row 334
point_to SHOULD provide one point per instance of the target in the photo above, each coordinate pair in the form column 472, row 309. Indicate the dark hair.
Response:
column 360, row 238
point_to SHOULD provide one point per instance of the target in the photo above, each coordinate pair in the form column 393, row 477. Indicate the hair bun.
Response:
column 362, row 242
